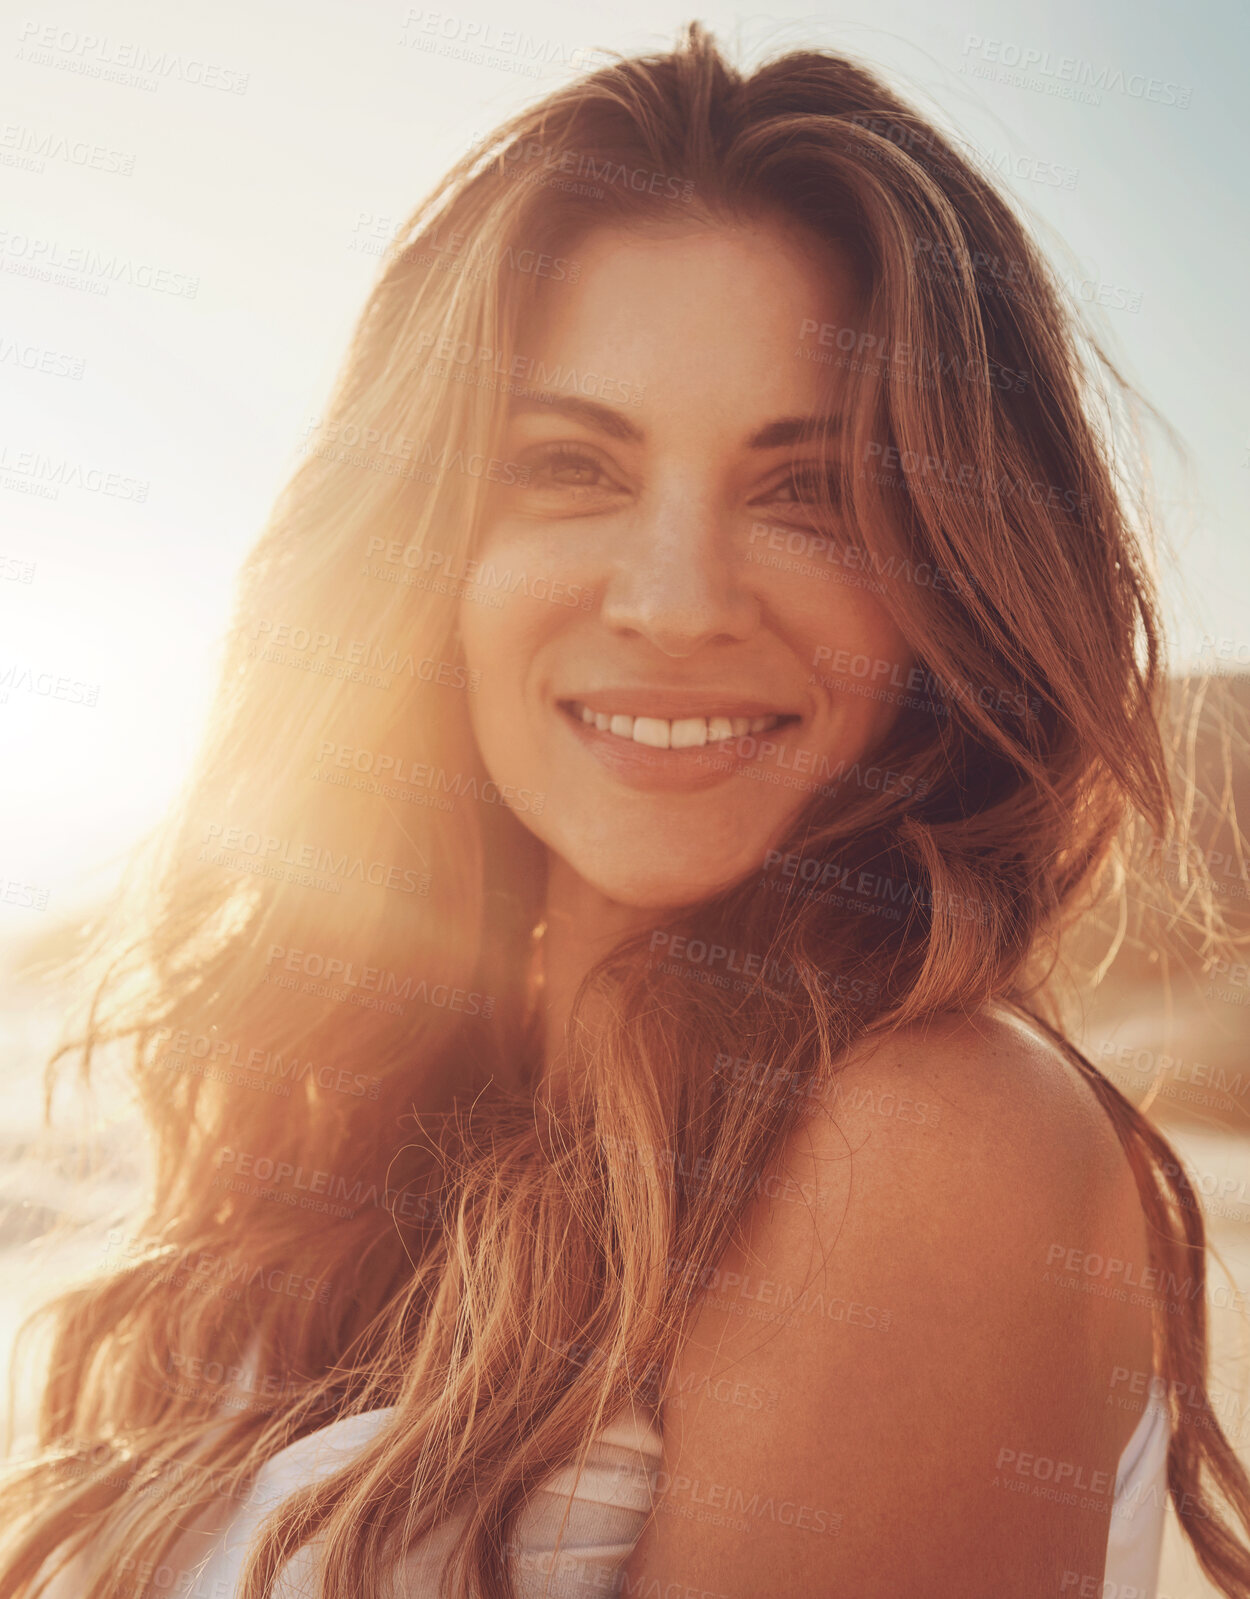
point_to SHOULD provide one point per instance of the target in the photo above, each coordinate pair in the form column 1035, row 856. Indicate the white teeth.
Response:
column 689, row 732
column 651, row 730
column 679, row 733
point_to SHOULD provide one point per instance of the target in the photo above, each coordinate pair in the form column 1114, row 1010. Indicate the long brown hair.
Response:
column 343, row 909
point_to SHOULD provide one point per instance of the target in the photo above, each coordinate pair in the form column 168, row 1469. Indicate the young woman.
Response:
column 595, row 1007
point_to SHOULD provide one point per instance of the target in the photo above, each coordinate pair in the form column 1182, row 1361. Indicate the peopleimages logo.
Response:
column 474, row 362
column 38, row 358
column 345, row 973
column 224, row 845
column 96, row 55
column 104, row 267
column 1069, row 76
column 860, row 672
column 394, row 771
column 383, row 451
column 533, row 161
column 511, row 49
column 474, row 573
column 31, row 148
column 44, row 684
column 271, row 641
column 891, row 357
column 907, row 466
column 58, row 472
column 225, row 1054
column 825, row 878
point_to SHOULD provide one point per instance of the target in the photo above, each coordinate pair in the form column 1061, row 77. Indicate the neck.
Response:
column 582, row 926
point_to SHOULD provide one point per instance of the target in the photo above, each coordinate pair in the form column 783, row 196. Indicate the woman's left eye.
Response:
column 809, row 486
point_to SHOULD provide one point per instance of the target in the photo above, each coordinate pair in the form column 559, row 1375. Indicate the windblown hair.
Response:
column 477, row 1238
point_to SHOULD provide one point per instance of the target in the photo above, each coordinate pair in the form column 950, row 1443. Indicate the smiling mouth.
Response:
column 677, row 733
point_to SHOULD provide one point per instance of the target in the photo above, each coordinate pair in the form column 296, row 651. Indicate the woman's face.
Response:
column 662, row 482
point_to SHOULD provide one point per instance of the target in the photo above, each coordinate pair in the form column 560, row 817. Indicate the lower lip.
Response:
column 684, row 770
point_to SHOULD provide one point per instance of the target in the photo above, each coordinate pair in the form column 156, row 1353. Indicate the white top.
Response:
column 612, row 1501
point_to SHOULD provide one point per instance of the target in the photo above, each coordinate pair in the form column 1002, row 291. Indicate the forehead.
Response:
column 706, row 315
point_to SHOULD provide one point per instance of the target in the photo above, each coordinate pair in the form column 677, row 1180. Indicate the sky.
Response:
column 232, row 161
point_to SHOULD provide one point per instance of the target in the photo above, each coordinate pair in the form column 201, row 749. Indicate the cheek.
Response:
column 529, row 581
column 530, row 545
column 507, row 629
column 531, row 585
column 849, row 644
column 497, row 647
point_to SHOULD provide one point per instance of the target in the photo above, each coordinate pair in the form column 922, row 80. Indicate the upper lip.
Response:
column 675, row 703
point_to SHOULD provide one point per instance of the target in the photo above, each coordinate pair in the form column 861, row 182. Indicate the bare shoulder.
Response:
column 987, row 1107
column 895, row 1331
column 993, row 1073
column 974, row 1150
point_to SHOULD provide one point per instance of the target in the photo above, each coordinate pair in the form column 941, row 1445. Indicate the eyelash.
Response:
column 558, row 455
column 566, row 455
column 808, row 475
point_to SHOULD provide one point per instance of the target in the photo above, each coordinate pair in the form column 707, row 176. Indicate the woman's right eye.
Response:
column 566, row 479
column 561, row 464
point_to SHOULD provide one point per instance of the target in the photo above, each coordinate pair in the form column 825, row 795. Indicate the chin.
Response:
column 657, row 885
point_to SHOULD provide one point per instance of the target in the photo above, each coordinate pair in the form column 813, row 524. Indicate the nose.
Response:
column 675, row 580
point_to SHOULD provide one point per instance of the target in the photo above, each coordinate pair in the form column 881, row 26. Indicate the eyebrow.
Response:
column 607, row 419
